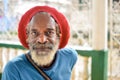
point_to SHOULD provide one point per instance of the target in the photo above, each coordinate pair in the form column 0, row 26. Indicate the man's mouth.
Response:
column 45, row 49
column 42, row 49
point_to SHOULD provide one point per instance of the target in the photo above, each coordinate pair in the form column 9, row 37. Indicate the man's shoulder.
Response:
column 68, row 55
column 13, row 67
column 69, row 52
column 16, row 60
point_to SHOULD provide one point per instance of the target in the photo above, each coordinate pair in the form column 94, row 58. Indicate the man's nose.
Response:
column 42, row 39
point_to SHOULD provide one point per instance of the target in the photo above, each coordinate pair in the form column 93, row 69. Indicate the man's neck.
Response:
column 48, row 65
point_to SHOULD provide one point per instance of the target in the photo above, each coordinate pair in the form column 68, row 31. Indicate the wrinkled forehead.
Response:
column 42, row 16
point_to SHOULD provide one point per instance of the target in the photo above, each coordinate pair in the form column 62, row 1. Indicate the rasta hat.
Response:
column 58, row 16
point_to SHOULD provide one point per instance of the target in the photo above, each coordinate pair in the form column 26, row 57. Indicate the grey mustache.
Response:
column 50, row 46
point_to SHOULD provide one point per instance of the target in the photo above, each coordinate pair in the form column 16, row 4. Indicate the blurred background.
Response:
column 80, row 16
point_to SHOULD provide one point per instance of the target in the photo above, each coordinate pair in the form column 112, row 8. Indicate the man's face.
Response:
column 42, row 38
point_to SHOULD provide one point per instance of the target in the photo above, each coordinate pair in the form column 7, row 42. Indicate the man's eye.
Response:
column 33, row 33
column 49, row 33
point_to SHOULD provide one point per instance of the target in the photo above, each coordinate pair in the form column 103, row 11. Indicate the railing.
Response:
column 98, row 64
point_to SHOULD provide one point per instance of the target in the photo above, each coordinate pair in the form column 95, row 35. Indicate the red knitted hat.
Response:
column 59, row 17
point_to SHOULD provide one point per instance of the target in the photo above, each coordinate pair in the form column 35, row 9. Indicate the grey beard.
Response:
column 43, row 60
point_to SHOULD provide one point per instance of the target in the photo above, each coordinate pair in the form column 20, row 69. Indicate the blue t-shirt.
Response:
column 21, row 69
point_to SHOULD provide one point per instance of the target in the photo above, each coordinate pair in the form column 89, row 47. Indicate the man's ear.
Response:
column 27, row 34
column 27, row 40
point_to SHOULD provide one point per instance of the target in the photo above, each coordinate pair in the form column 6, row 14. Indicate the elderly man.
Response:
column 45, row 32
